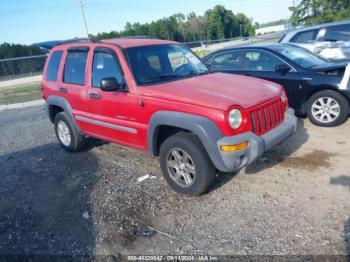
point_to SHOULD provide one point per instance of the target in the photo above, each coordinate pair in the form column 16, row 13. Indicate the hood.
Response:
column 216, row 90
column 331, row 68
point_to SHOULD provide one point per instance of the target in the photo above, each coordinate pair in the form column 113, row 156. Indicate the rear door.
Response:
column 334, row 42
column 72, row 85
column 115, row 116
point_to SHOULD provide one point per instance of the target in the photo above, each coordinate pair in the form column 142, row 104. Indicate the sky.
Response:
column 32, row 21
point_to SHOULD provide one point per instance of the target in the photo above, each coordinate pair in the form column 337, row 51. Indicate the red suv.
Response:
column 157, row 96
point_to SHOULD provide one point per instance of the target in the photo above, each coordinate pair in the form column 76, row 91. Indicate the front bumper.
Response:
column 257, row 145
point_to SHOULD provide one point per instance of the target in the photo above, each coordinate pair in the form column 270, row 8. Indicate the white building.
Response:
column 269, row 29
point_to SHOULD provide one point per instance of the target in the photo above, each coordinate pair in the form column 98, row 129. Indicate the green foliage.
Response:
column 15, row 50
column 311, row 12
column 217, row 23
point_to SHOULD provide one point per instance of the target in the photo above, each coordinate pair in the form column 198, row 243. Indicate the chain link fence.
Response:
column 13, row 68
column 23, row 67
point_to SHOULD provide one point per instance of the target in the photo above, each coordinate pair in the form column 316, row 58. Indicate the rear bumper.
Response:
column 257, row 145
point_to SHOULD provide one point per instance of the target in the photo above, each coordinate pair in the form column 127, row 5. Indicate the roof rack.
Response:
column 50, row 44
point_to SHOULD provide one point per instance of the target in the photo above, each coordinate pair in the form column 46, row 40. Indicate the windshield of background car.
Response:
column 161, row 63
column 300, row 56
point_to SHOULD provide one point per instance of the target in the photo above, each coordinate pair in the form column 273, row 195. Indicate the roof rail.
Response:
column 50, row 44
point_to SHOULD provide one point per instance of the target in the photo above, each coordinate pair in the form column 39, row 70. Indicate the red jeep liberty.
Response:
column 157, row 96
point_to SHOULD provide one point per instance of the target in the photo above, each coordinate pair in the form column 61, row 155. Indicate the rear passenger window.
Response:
column 305, row 37
column 54, row 64
column 74, row 68
column 105, row 65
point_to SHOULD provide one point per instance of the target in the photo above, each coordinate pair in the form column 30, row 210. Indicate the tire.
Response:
column 65, row 129
column 323, row 114
column 197, row 159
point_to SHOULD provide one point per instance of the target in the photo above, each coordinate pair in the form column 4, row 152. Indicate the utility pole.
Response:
column 82, row 11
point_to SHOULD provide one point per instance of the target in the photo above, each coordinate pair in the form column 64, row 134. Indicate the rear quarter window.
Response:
column 54, row 64
column 337, row 33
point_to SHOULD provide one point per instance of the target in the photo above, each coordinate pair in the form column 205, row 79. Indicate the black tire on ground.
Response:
column 339, row 98
column 77, row 140
column 205, row 170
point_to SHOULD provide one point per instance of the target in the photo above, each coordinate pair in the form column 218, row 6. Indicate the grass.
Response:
column 202, row 53
column 18, row 94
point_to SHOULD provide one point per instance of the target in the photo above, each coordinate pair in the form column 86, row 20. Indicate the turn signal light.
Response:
column 230, row 148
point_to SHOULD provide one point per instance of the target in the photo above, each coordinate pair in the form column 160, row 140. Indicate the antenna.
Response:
column 82, row 11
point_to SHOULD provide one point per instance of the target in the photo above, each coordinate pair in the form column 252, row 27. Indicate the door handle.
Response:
column 95, row 96
column 63, row 90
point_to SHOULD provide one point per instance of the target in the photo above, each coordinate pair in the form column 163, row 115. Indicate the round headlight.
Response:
column 235, row 118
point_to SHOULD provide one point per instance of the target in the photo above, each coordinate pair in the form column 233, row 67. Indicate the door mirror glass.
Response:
column 283, row 68
column 110, row 84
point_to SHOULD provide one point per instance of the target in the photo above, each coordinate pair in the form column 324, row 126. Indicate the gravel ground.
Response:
column 294, row 200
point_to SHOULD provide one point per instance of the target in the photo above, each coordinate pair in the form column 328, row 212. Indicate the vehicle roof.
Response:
column 271, row 46
column 133, row 42
column 121, row 42
column 317, row 26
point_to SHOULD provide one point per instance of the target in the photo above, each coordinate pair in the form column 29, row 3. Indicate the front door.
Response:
column 115, row 116
column 261, row 64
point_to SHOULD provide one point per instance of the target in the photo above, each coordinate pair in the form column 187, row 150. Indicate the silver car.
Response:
column 331, row 40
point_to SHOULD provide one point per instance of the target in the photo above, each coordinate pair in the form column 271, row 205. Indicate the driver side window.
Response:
column 105, row 65
column 261, row 61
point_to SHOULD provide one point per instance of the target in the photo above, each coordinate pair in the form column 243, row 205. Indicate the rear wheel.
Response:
column 186, row 165
column 68, row 137
column 327, row 108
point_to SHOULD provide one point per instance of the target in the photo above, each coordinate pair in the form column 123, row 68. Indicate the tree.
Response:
column 220, row 23
column 195, row 27
column 216, row 23
column 15, row 50
column 310, row 12
column 245, row 25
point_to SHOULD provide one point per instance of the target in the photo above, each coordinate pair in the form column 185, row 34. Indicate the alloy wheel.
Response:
column 325, row 109
column 181, row 167
column 63, row 133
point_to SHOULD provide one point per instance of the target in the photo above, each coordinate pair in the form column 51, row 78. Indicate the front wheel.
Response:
column 327, row 108
column 186, row 165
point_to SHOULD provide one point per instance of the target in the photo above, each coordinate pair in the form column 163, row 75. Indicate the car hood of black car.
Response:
column 330, row 66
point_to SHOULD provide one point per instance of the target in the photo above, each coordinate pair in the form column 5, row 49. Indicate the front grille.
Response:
column 266, row 117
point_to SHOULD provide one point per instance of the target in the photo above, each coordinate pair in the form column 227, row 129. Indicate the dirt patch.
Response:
column 310, row 161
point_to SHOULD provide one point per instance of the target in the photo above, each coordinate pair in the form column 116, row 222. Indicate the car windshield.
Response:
column 161, row 63
column 300, row 56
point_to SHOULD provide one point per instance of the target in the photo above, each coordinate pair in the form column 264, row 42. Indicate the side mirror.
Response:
column 110, row 84
column 283, row 68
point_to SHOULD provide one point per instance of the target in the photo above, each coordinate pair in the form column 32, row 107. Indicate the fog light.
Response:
column 230, row 148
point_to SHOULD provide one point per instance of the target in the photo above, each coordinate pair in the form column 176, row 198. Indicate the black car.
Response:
column 313, row 84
